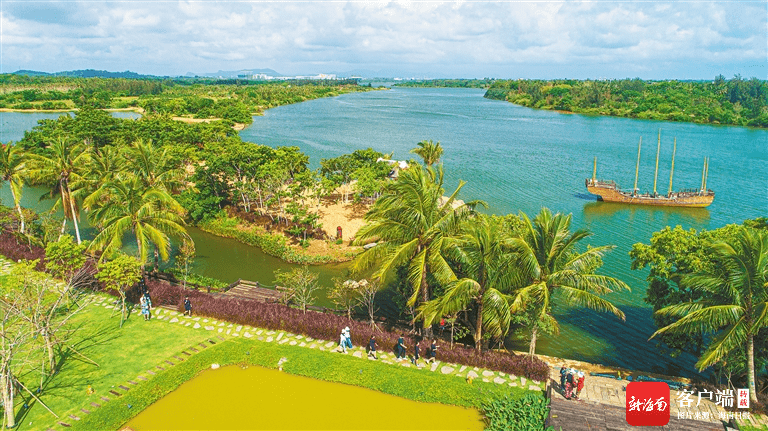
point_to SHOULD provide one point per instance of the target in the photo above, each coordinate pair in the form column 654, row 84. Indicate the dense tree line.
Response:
column 449, row 83
column 736, row 101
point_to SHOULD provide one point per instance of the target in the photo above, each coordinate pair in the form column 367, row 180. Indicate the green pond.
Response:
column 256, row 398
column 520, row 159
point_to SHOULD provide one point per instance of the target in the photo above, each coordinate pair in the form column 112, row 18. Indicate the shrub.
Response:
column 325, row 326
column 16, row 249
column 506, row 413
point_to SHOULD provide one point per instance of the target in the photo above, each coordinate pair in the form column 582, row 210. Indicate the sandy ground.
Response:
column 348, row 216
column 237, row 126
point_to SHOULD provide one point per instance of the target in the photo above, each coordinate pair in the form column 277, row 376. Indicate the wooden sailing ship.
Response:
column 609, row 191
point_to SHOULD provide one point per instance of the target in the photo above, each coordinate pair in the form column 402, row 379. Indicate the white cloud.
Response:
column 574, row 39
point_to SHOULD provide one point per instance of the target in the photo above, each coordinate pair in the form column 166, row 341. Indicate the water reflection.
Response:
column 595, row 211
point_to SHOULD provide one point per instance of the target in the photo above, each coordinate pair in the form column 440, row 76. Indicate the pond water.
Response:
column 233, row 398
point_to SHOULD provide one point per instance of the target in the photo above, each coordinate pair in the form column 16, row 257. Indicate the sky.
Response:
column 409, row 39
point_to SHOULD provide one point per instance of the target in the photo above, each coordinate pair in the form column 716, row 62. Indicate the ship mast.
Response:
column 703, row 174
column 656, row 175
column 672, row 170
column 706, row 175
column 637, row 166
column 594, row 172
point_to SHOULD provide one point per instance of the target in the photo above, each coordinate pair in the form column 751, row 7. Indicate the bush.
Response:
column 506, row 413
column 325, row 326
column 16, row 249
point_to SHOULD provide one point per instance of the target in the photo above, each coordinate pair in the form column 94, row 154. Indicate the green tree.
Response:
column 429, row 151
column 128, row 206
column 119, row 274
column 549, row 264
column 300, row 286
column 154, row 166
column 12, row 170
column 63, row 169
column 64, row 258
column 483, row 257
column 410, row 222
column 734, row 304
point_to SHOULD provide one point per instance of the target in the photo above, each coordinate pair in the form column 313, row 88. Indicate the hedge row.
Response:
column 326, row 326
column 16, row 249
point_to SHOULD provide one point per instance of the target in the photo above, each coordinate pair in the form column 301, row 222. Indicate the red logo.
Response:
column 647, row 404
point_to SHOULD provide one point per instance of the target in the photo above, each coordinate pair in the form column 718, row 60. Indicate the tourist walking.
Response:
column 432, row 351
column 372, row 347
column 343, row 342
column 569, row 384
column 580, row 384
column 349, row 337
column 400, row 348
column 144, row 308
column 415, row 352
column 563, row 372
column 187, row 307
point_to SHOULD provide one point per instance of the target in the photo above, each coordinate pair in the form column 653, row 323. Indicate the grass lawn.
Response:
column 122, row 354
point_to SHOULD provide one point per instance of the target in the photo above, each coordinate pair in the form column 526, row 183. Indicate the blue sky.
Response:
column 507, row 39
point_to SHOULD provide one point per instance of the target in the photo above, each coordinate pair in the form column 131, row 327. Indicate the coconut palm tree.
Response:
column 409, row 222
column 12, row 169
column 548, row 265
column 63, row 169
column 106, row 164
column 734, row 300
column 429, row 151
column 125, row 206
column 154, row 166
column 483, row 255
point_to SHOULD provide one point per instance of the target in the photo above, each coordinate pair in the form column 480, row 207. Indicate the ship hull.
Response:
column 609, row 193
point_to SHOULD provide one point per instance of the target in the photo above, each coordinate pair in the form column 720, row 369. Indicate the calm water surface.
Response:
column 519, row 159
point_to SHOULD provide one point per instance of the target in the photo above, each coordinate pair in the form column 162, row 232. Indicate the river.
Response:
column 520, row 159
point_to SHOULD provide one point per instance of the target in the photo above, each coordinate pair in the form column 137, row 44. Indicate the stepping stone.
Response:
column 205, row 320
column 193, row 349
column 160, row 368
column 406, row 364
column 486, row 380
column 203, row 345
column 151, row 372
column 196, row 319
column 213, row 342
column 105, row 398
column 534, row 388
column 96, row 405
column 284, row 340
column 279, row 336
column 169, row 363
column 535, row 382
column 298, row 337
column 109, row 306
column 239, row 328
column 472, row 374
column 522, row 381
column 259, row 332
column 229, row 326
column 433, row 367
column 501, row 374
column 463, row 367
column 271, row 333
column 235, row 334
column 186, row 353
column 64, row 424
column 221, row 324
column 178, row 358
column 302, row 344
column 197, row 325
column 329, row 344
column 247, row 334
column 269, row 339
column 174, row 320
column 228, row 331
column 189, row 323
column 322, row 348
column 512, row 377
column 85, row 411
column 513, row 384
column 487, row 373
column 214, row 322
column 132, row 382
column 312, row 346
column 293, row 342
column 446, row 369
column 309, row 339
column 209, row 328
column 220, row 329
column 114, row 392
column 125, row 388
column 142, row 378
column 386, row 361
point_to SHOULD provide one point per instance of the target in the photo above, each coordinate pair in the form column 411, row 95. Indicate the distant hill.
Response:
column 89, row 73
column 236, row 73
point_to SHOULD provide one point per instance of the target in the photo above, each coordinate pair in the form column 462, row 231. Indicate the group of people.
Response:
column 345, row 342
column 571, row 382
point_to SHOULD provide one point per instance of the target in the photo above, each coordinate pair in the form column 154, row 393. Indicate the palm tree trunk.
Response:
column 751, row 368
column 425, row 297
column 74, row 214
column 18, row 208
column 534, row 335
column 479, row 327
column 6, row 381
